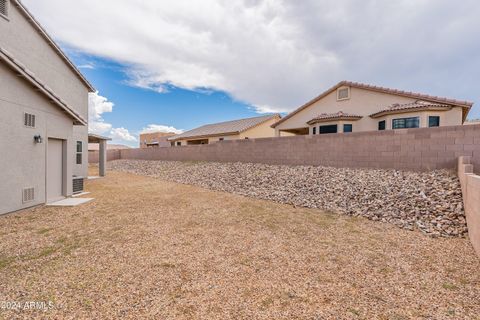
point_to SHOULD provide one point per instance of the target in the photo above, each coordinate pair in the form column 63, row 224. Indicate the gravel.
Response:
column 428, row 201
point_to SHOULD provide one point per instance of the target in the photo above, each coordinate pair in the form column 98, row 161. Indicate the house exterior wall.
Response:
column 263, row 130
column 29, row 47
column 160, row 137
column 23, row 162
column 25, row 43
column 364, row 103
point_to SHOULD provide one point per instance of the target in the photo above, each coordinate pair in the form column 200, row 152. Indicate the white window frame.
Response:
column 79, row 152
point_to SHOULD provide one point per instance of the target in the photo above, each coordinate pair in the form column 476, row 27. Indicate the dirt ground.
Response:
column 146, row 248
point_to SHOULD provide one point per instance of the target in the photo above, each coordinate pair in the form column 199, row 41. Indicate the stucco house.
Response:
column 155, row 139
column 354, row 107
column 249, row 128
column 44, row 108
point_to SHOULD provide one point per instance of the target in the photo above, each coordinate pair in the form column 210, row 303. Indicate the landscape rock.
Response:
column 428, row 201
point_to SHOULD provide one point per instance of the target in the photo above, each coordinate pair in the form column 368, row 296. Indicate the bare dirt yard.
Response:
column 146, row 248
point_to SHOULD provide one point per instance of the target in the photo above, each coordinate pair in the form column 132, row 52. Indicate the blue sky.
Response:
column 135, row 108
column 153, row 59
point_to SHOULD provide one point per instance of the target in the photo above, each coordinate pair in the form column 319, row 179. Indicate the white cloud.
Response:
column 160, row 128
column 97, row 106
column 87, row 66
column 278, row 54
column 122, row 134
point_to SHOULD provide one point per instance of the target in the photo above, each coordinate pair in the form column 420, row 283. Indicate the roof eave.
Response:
column 47, row 37
column 313, row 121
column 77, row 119
column 204, row 136
column 408, row 110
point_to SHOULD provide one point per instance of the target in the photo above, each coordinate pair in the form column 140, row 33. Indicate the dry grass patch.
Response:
column 146, row 248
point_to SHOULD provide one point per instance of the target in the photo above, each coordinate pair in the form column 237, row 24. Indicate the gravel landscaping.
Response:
column 428, row 201
column 147, row 248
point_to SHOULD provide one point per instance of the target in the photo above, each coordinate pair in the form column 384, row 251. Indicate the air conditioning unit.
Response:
column 78, row 184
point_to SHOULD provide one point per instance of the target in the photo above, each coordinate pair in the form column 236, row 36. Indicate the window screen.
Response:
column 79, row 152
column 328, row 129
column 434, row 121
column 382, row 125
column 4, row 7
column 405, row 123
column 343, row 93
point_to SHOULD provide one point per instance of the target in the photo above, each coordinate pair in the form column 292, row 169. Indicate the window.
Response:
column 79, row 152
column 434, row 121
column 405, row 123
column 29, row 119
column 347, row 128
column 314, row 130
column 327, row 129
column 221, row 139
column 382, row 125
column 4, row 8
column 343, row 93
column 179, row 143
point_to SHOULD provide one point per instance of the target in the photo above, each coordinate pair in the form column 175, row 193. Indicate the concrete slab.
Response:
column 80, row 194
column 70, row 202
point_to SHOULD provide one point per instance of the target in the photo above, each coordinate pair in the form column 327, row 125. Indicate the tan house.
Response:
column 250, row 128
column 44, row 112
column 155, row 139
column 355, row 107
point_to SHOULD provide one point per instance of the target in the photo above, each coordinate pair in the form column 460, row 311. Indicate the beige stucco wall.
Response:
column 23, row 162
column 263, row 130
column 364, row 103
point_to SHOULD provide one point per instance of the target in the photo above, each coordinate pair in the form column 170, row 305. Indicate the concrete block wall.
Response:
column 93, row 156
column 471, row 199
column 410, row 149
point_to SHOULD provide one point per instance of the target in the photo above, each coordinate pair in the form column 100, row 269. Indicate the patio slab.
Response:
column 70, row 202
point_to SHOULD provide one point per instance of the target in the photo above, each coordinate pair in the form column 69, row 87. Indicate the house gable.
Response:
column 27, row 41
column 362, row 95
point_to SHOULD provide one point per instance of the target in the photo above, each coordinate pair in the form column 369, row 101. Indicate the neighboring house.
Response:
column 473, row 121
column 250, row 128
column 44, row 108
column 155, row 139
column 355, row 107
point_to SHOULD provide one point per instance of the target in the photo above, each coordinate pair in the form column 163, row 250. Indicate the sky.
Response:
column 175, row 65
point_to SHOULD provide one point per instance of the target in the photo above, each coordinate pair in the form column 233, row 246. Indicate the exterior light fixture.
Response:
column 38, row 138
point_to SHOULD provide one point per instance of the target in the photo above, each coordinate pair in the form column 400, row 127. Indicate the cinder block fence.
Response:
column 93, row 156
column 411, row 149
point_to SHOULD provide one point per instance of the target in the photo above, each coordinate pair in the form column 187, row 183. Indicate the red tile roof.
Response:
column 460, row 103
column 417, row 105
column 334, row 116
